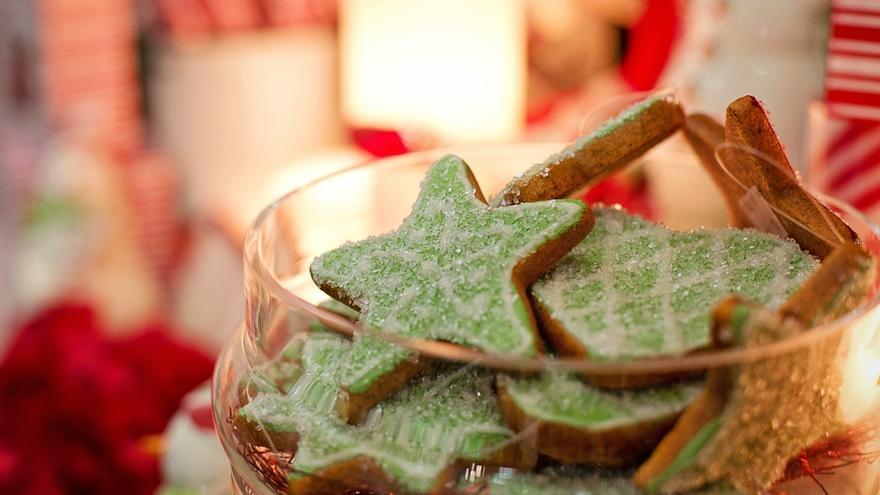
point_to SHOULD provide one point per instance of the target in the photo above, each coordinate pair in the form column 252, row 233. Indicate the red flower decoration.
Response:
column 77, row 407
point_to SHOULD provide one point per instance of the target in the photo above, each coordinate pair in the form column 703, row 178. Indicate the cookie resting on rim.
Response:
column 612, row 146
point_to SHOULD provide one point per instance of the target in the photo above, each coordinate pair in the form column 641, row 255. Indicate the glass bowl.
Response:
column 373, row 198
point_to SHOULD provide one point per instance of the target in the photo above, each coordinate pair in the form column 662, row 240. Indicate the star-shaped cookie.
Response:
column 637, row 290
column 410, row 441
column 455, row 270
column 791, row 398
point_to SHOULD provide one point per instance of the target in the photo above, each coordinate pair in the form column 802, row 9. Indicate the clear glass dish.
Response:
column 373, row 198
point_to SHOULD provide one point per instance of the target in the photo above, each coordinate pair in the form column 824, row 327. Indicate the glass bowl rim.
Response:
column 697, row 361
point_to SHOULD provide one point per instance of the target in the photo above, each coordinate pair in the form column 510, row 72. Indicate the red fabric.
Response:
column 650, row 44
column 77, row 406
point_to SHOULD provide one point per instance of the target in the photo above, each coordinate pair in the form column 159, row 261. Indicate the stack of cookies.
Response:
column 529, row 274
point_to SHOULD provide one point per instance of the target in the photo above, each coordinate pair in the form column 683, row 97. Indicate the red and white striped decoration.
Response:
column 851, row 131
column 89, row 68
column 151, row 184
column 191, row 18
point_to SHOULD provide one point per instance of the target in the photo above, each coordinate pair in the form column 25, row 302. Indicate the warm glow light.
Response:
column 333, row 210
column 308, row 168
column 453, row 68
column 272, row 184
column 678, row 182
column 860, row 391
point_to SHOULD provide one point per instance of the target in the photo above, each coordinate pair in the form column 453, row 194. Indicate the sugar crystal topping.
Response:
column 444, row 274
column 446, row 413
column 564, row 480
column 634, row 289
column 560, row 397
column 575, row 480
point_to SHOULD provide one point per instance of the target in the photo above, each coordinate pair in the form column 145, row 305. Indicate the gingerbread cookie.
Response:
column 281, row 372
column 270, row 415
column 791, row 398
column 634, row 289
column 788, row 398
column 576, row 423
column 596, row 155
column 409, row 441
column 569, row 480
column 837, row 287
column 456, row 270
column 754, row 168
column 563, row 480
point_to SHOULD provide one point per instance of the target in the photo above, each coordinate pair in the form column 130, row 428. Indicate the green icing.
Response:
column 317, row 390
column 447, row 412
column 739, row 318
column 339, row 308
column 336, row 307
column 177, row 490
column 687, row 455
column 562, row 398
column 444, row 274
column 575, row 481
column 562, row 481
column 634, row 289
column 279, row 373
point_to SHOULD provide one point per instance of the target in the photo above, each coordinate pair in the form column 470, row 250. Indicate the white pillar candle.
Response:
column 236, row 110
column 453, row 68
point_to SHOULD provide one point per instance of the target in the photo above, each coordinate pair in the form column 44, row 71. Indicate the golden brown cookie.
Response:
column 633, row 289
column 791, row 398
column 699, row 416
column 595, row 156
column 760, row 186
column 410, row 441
column 456, row 270
column 575, row 423
column 836, row 288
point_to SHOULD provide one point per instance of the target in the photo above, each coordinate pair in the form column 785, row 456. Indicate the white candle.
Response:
column 452, row 68
column 238, row 110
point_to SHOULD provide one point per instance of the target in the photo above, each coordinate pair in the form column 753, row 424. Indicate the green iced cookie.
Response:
column 580, row 424
column 445, row 413
column 560, row 481
column 615, row 144
column 755, row 417
column 575, row 481
column 453, row 271
column 634, row 289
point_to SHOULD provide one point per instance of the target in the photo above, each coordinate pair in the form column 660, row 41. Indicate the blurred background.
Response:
column 139, row 138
